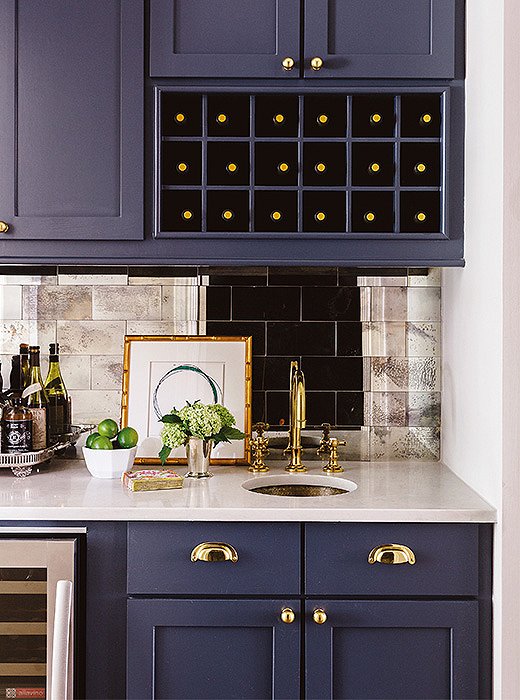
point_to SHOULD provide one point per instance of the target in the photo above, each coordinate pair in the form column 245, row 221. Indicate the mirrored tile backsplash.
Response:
column 368, row 340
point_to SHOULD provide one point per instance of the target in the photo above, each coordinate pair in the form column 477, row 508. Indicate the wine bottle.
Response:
column 15, row 376
column 57, row 395
column 24, row 366
column 16, row 428
column 37, row 401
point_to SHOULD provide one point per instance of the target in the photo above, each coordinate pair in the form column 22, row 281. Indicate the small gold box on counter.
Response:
column 152, row 480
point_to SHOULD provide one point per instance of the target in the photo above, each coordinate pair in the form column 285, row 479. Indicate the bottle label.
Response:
column 31, row 389
column 16, row 436
column 39, row 437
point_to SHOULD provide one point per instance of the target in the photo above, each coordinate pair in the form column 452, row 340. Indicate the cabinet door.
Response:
column 380, row 38
column 71, row 119
column 219, row 649
column 392, row 650
column 224, row 38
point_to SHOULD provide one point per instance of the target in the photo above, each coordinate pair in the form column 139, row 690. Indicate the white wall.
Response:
column 473, row 302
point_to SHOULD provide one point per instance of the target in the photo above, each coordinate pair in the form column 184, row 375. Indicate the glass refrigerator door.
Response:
column 36, row 594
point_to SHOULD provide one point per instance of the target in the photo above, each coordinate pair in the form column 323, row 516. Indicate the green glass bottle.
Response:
column 25, row 371
column 37, row 402
column 57, row 395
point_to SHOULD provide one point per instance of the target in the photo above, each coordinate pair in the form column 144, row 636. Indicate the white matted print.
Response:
column 164, row 372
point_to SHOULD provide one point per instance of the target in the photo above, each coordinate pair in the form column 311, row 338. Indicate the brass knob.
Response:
column 214, row 551
column 319, row 616
column 287, row 615
column 391, row 554
column 4, row 228
column 288, row 63
column 316, row 63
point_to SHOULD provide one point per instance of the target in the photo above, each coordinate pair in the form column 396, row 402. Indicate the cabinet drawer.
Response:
column 160, row 559
column 446, row 559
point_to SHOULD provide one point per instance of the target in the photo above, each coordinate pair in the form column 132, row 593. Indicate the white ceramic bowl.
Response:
column 109, row 464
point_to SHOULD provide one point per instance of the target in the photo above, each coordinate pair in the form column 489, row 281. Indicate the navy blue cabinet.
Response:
column 230, row 38
column 71, row 120
column 392, row 650
column 219, row 649
column 347, row 39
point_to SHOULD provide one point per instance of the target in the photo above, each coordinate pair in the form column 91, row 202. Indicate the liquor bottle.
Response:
column 17, row 424
column 24, row 366
column 37, row 401
column 57, row 395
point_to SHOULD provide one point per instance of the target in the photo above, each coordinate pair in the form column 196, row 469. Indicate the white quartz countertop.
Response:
column 386, row 492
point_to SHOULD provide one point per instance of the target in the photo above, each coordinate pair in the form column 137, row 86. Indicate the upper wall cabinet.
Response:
column 225, row 38
column 71, row 119
column 342, row 38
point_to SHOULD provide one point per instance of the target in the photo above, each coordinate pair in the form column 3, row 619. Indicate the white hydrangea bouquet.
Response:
column 211, row 423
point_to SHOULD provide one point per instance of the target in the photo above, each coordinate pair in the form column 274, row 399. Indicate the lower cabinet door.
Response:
column 391, row 650
column 218, row 649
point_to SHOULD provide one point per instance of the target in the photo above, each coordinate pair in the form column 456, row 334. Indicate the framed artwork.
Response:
column 164, row 372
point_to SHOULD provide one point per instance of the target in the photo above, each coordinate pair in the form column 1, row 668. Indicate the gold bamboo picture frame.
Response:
column 158, row 369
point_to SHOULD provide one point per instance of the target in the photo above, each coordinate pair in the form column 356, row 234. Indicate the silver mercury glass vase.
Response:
column 198, row 453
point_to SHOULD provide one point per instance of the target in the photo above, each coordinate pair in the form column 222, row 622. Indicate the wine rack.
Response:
column 296, row 165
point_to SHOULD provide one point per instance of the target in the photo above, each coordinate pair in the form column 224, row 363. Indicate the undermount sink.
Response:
column 300, row 485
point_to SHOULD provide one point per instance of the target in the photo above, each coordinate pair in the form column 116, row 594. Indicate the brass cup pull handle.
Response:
column 214, row 551
column 288, row 63
column 319, row 616
column 4, row 228
column 316, row 63
column 287, row 615
column 391, row 554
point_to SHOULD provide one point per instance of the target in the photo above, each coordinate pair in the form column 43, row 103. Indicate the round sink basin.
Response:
column 300, row 485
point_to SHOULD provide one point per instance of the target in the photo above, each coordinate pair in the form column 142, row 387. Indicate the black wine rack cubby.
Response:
column 278, row 164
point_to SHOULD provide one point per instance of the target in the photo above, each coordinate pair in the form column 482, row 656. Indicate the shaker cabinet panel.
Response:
column 392, row 650
column 218, row 649
column 71, row 119
column 380, row 38
column 224, row 38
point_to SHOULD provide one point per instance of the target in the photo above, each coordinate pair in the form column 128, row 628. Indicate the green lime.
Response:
column 91, row 439
column 108, row 428
column 101, row 443
column 127, row 437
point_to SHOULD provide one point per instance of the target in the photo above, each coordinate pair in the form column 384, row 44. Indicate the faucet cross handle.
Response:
column 324, row 446
column 260, row 428
column 332, row 465
column 259, row 448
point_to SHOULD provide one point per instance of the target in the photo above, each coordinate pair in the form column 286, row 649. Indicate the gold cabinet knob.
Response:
column 319, row 616
column 391, row 554
column 214, row 551
column 4, row 228
column 288, row 63
column 316, row 63
column 287, row 615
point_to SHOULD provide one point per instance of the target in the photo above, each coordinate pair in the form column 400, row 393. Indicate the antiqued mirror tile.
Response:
column 93, row 279
column 424, row 304
column 162, row 328
column 423, row 409
column 389, row 303
column 126, row 303
column 390, row 444
column 423, row 339
column 75, row 370
column 107, row 372
column 10, row 302
column 93, row 406
column 432, row 277
column 405, row 374
column 12, row 333
column 57, row 303
column 369, row 281
column 385, row 408
column 91, row 337
column 384, row 339
column 180, row 303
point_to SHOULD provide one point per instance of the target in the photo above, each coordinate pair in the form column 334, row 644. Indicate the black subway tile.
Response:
column 277, row 408
column 330, row 303
column 350, row 409
column 300, row 338
column 271, row 373
column 229, row 328
column 218, row 303
column 320, row 408
column 258, row 407
column 33, row 270
column 350, row 338
column 337, row 373
column 161, row 271
column 303, row 276
column 266, row 303
column 236, row 276
column 348, row 275
column 92, row 270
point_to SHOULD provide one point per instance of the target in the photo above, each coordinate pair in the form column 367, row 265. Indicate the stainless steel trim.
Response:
column 42, row 532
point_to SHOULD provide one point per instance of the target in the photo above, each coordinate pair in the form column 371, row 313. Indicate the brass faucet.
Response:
column 297, row 419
